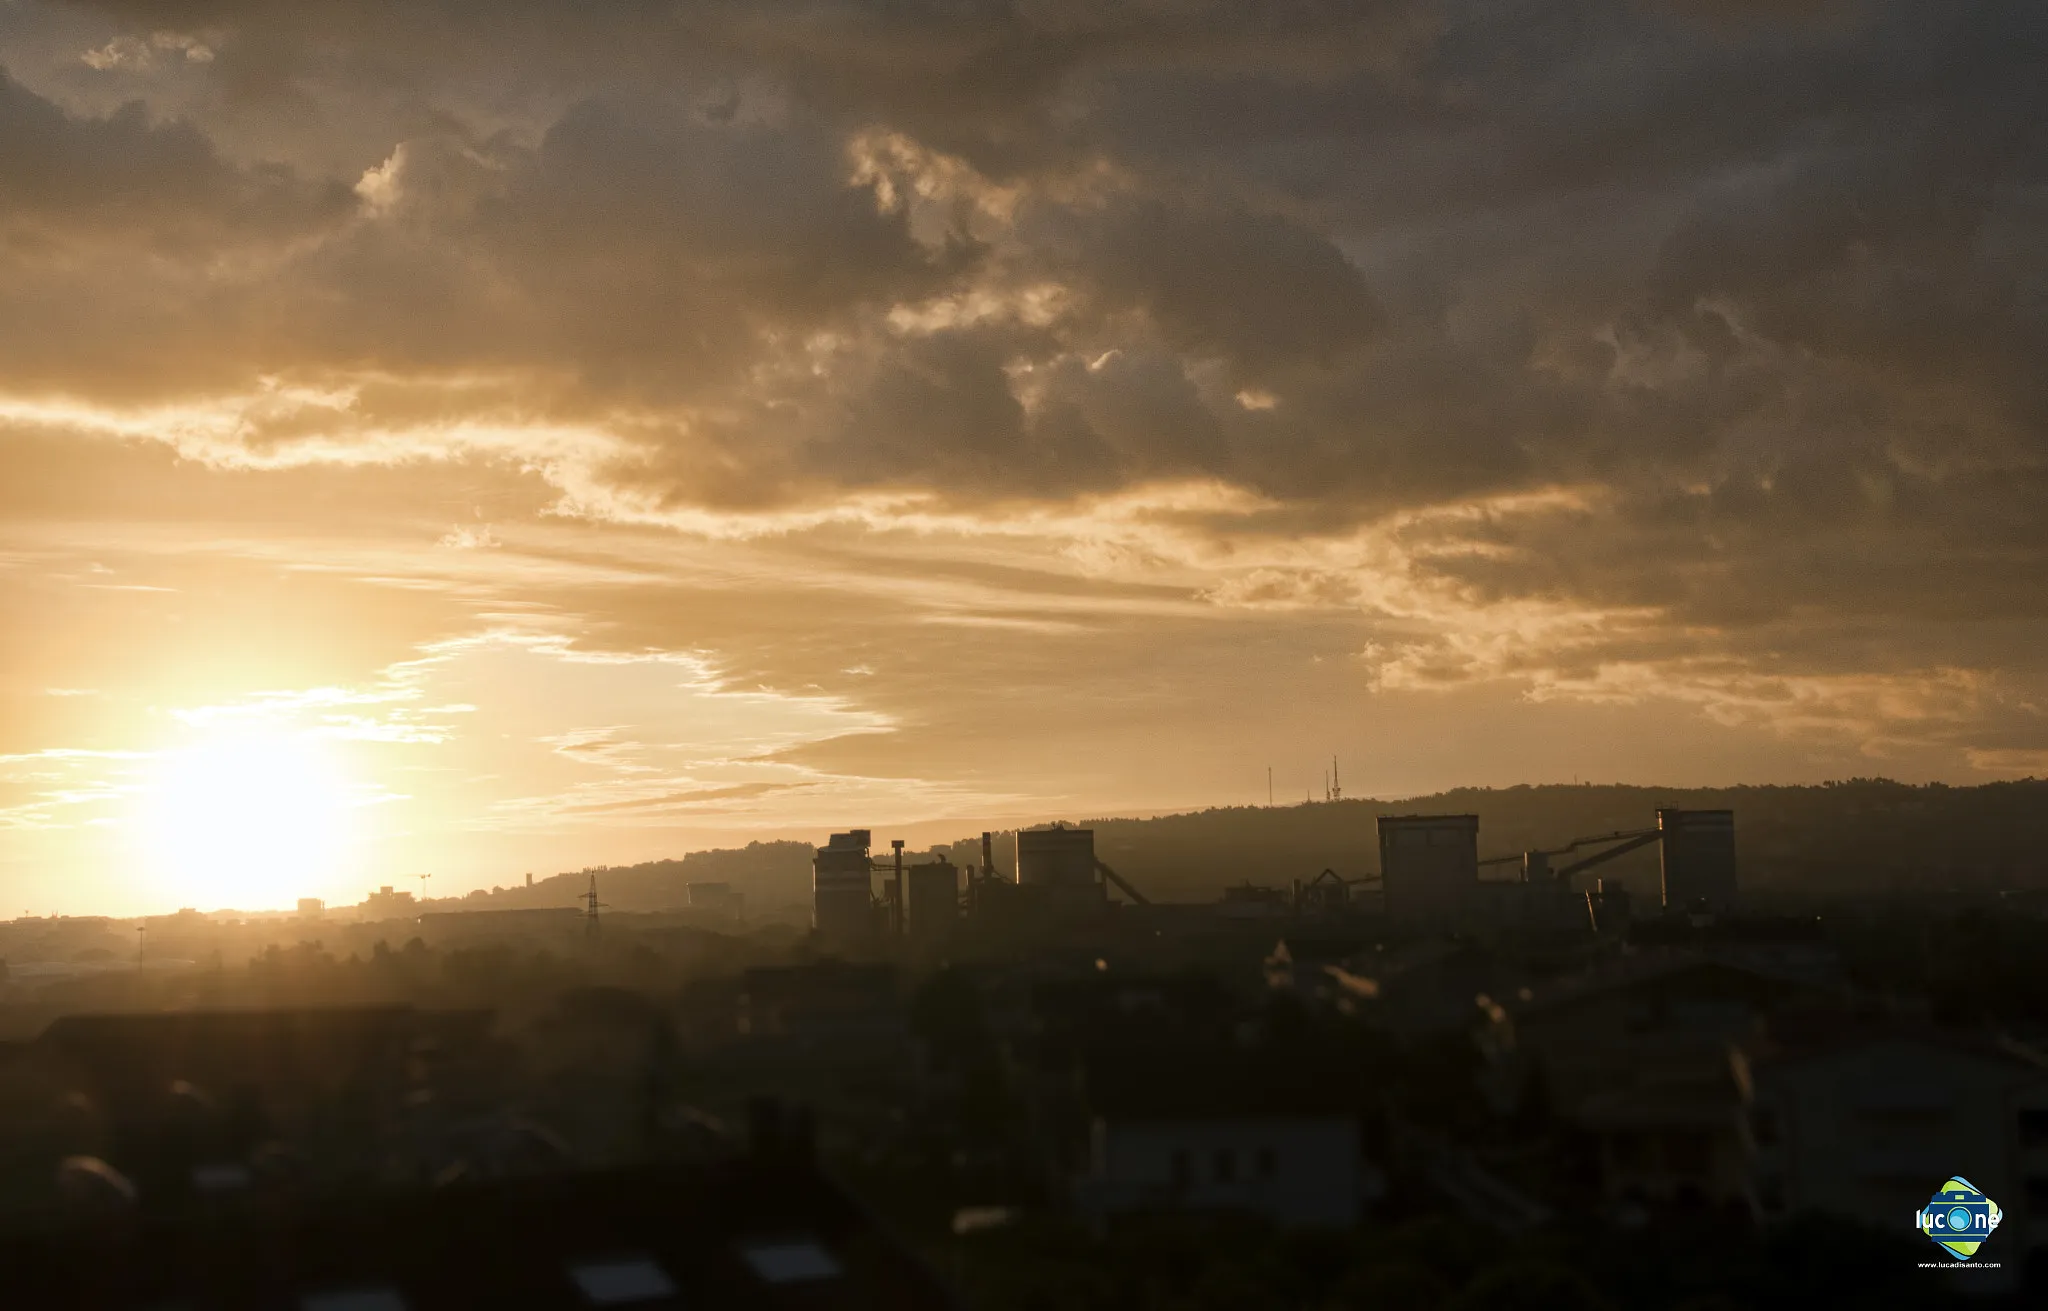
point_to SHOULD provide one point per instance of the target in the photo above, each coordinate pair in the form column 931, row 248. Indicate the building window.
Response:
column 1268, row 1162
column 1226, row 1166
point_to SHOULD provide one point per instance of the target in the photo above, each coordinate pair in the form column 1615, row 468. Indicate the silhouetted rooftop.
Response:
column 736, row 1235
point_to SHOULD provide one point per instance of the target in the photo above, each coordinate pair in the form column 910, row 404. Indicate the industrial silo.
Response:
column 1429, row 867
column 1699, row 859
column 934, row 896
column 842, row 894
column 1059, row 863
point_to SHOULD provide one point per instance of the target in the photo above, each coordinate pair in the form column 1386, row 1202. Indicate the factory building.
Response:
column 1429, row 866
column 1059, row 864
column 1698, row 851
column 934, row 897
column 842, row 905
column 387, row 904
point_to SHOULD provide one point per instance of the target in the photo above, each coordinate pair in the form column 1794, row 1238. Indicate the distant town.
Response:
column 1556, row 1008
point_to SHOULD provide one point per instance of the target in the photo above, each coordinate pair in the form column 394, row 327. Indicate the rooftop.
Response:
column 739, row 1235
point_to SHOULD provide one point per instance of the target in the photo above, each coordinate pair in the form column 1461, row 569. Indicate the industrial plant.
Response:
column 1431, row 877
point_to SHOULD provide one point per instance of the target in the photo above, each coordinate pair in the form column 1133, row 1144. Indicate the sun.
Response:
column 245, row 820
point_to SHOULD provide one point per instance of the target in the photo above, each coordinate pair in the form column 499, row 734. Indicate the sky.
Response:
column 462, row 439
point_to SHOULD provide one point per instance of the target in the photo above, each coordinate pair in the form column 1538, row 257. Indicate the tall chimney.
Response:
column 897, row 894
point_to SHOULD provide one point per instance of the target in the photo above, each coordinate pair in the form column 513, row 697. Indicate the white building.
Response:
column 1298, row 1171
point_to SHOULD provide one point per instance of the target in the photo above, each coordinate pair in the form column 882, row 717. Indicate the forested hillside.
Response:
column 1861, row 835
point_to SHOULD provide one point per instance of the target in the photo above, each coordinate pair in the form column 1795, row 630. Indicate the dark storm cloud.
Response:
column 976, row 76
column 1141, row 404
column 1253, row 288
column 128, row 175
column 645, row 247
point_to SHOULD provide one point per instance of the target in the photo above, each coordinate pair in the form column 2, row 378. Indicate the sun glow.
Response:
column 246, row 820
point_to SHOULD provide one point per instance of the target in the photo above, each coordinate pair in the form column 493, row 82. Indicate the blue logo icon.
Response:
column 1959, row 1218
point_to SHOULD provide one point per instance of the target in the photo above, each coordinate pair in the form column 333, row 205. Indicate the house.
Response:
column 763, row 1229
column 1866, row 1121
column 1237, row 1125
column 1644, row 1018
column 1425, row 990
column 1173, row 1094
column 163, row 1095
column 831, row 1033
column 1782, row 945
column 1295, row 1170
column 1679, row 1137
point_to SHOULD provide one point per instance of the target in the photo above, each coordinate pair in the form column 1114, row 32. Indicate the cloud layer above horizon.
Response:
column 760, row 417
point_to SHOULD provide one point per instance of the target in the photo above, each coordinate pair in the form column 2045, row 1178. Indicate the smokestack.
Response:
column 897, row 844
column 988, row 855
